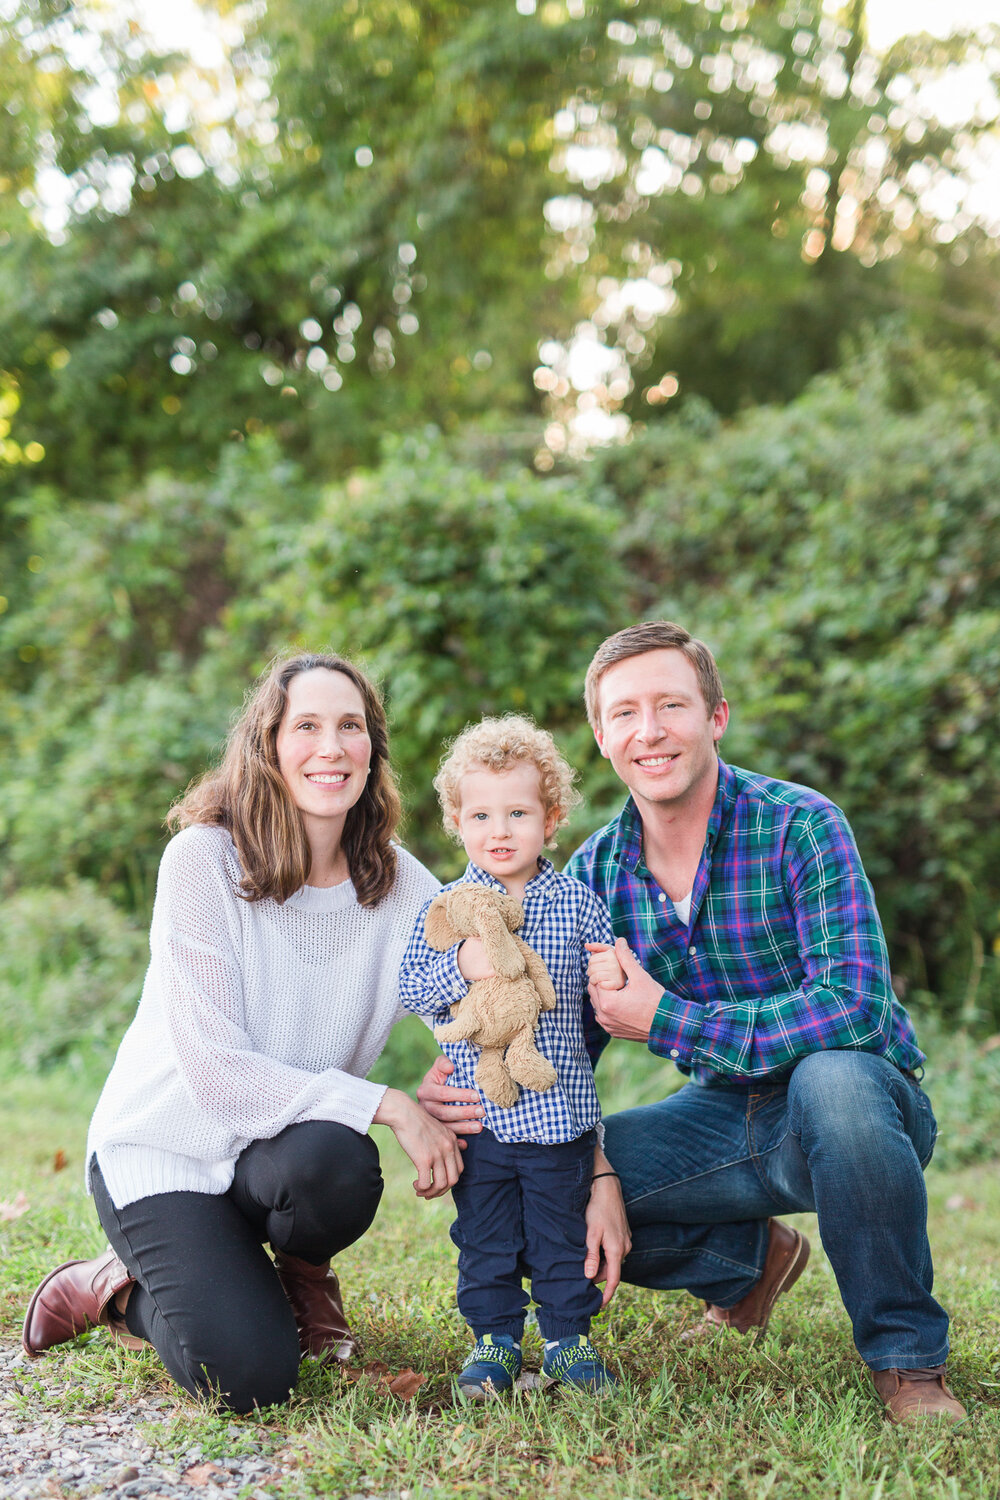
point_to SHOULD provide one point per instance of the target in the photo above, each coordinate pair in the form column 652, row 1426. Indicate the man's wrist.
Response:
column 675, row 1029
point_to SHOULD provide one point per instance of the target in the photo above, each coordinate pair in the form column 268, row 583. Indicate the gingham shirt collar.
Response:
column 541, row 885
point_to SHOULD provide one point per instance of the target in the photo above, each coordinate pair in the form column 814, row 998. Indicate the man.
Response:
column 755, row 961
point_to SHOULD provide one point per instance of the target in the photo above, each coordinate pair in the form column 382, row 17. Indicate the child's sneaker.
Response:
column 492, row 1366
column 575, row 1362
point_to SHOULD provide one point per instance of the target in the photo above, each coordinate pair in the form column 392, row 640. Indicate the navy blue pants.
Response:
column 521, row 1212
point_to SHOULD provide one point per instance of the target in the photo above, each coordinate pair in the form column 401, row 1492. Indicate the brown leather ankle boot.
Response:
column 787, row 1253
column 314, row 1294
column 74, row 1297
column 913, row 1395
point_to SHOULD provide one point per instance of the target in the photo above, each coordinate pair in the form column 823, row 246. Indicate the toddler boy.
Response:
column 521, row 1200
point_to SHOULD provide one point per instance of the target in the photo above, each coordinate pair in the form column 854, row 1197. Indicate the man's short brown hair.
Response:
column 652, row 635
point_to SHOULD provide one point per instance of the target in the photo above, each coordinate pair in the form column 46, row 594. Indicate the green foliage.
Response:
column 842, row 557
column 404, row 203
column 71, row 969
column 117, row 674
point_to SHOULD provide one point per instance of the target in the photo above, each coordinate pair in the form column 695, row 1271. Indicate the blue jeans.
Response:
column 846, row 1138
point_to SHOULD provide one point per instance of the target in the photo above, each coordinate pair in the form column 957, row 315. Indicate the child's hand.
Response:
column 472, row 961
column 604, row 968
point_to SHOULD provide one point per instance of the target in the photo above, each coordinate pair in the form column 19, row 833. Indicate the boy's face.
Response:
column 502, row 821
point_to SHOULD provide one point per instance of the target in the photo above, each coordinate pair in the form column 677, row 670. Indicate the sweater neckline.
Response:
column 324, row 897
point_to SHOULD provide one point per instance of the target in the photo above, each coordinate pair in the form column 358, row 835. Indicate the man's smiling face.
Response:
column 656, row 729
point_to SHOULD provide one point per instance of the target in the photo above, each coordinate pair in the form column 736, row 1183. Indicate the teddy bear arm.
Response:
column 501, row 948
column 539, row 975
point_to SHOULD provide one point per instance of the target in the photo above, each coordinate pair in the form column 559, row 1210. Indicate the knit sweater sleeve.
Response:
column 198, row 944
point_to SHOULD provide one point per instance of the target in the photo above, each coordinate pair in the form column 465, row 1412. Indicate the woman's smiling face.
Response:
column 323, row 746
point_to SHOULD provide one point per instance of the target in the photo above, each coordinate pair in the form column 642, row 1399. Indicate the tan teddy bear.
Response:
column 499, row 1015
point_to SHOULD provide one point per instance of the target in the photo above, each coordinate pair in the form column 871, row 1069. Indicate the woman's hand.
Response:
column 608, row 1237
column 432, row 1148
column 460, row 1109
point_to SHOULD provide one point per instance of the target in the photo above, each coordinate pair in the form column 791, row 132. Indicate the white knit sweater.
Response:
column 253, row 1016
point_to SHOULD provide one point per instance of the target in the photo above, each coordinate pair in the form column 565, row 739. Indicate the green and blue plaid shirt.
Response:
column 783, row 954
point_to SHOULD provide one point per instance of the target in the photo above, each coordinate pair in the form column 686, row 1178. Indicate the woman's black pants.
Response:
column 207, row 1295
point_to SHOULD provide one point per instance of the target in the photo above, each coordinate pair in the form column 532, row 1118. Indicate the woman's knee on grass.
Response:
column 250, row 1371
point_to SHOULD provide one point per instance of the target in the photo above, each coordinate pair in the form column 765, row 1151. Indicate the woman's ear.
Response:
column 438, row 931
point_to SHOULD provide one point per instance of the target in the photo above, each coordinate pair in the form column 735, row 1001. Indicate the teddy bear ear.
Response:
column 511, row 911
column 438, row 930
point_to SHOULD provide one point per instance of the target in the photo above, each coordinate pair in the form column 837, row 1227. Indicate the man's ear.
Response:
column 599, row 737
column 720, row 718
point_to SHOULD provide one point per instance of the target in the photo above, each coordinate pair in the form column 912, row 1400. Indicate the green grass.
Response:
column 790, row 1418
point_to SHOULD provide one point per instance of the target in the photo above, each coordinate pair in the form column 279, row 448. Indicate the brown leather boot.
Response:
column 314, row 1294
column 74, row 1297
column 787, row 1253
column 911, row 1395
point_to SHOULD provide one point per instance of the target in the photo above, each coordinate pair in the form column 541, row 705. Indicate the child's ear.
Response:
column 552, row 822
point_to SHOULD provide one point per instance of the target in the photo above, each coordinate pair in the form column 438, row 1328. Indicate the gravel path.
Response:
column 45, row 1455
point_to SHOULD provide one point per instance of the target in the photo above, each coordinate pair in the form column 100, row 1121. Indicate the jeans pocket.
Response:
column 925, row 1134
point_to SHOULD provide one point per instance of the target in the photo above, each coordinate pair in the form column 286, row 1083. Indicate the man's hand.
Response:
column 460, row 1109
column 604, row 968
column 628, row 1012
column 608, row 1237
column 472, row 961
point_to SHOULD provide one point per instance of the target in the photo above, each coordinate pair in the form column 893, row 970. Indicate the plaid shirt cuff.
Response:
column 676, row 1028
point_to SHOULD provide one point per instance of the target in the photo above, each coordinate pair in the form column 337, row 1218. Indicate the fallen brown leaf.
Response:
column 991, row 1044
column 14, row 1210
column 202, row 1474
column 957, row 1203
column 601, row 1460
column 60, row 1162
column 375, row 1370
column 406, row 1384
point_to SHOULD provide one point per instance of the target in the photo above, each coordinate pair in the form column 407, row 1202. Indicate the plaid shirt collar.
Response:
column 626, row 849
column 543, row 884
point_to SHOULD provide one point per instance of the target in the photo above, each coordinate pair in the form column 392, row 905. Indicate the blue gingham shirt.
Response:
column 560, row 915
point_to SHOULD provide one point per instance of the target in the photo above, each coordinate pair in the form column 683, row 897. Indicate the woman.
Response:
column 237, row 1108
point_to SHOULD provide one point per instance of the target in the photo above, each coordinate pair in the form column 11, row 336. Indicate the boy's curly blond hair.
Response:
column 497, row 744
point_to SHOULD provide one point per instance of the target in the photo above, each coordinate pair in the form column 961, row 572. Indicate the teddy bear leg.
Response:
column 462, row 1029
column 494, row 1080
column 526, row 1064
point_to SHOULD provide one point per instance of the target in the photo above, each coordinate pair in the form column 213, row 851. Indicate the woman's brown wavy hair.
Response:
column 247, row 794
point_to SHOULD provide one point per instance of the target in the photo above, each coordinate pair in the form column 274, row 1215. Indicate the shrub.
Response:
column 71, row 967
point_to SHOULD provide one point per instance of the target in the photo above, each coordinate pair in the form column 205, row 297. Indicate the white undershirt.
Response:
column 683, row 908
column 253, row 1016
